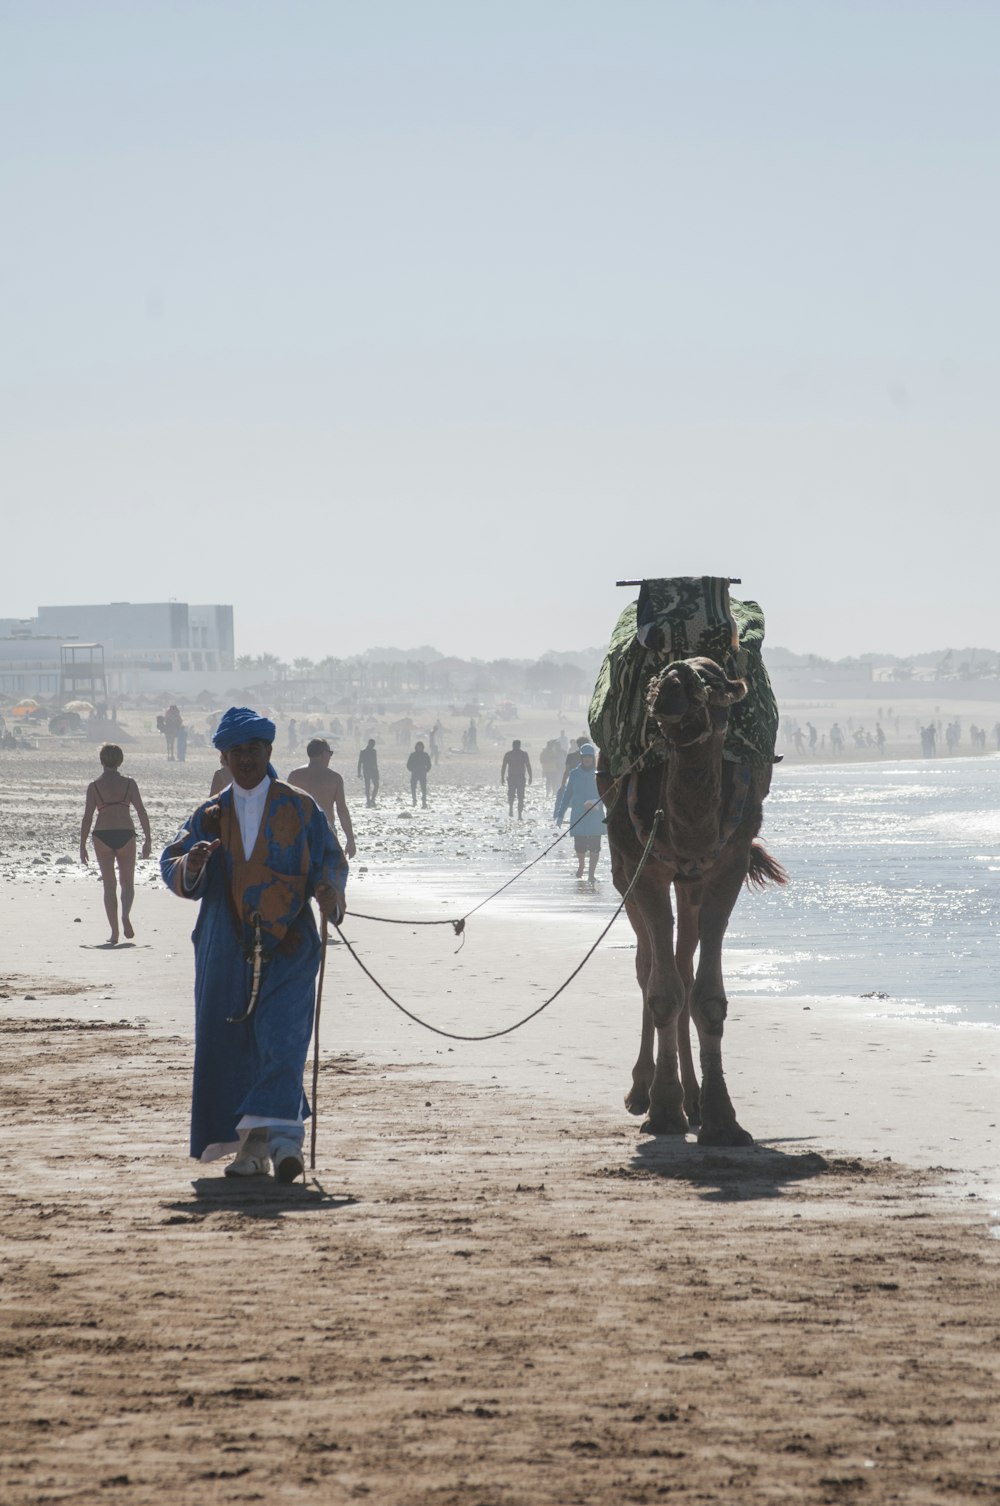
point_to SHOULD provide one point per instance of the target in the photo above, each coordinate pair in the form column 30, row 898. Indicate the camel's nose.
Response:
column 671, row 701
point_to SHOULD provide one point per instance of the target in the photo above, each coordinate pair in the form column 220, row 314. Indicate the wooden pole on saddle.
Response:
column 315, row 1081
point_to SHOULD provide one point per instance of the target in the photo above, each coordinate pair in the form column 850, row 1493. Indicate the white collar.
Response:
column 258, row 791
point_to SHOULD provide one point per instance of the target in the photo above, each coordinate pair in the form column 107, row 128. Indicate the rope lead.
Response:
column 459, row 925
column 493, row 1035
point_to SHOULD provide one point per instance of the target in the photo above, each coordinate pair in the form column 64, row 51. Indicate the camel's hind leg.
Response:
column 719, row 1125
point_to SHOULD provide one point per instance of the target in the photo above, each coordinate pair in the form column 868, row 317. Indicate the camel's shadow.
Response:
column 724, row 1173
column 256, row 1198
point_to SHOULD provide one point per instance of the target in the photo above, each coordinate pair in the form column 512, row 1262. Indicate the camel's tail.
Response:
column 763, row 869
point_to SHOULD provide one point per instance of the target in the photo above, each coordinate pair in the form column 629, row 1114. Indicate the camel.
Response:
column 704, row 846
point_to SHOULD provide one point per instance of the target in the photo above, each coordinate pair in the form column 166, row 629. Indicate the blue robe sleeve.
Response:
column 172, row 857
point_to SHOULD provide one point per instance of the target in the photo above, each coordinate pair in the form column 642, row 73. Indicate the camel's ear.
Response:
column 724, row 692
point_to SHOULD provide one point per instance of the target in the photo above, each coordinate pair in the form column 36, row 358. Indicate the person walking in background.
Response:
column 113, row 798
column 182, row 743
column 579, row 797
column 368, row 771
column 419, row 766
column 169, row 724
column 516, row 767
column 551, row 760
column 326, row 787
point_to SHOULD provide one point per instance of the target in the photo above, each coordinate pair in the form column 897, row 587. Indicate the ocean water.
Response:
column 894, row 881
column 894, row 886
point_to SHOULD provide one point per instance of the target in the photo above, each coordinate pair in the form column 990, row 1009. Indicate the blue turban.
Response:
column 241, row 725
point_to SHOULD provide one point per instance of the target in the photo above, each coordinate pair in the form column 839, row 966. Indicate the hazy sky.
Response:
column 415, row 322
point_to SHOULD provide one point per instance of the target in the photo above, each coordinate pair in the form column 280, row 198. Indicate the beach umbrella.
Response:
column 24, row 707
column 80, row 706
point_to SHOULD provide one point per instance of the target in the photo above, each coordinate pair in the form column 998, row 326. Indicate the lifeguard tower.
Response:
column 81, row 673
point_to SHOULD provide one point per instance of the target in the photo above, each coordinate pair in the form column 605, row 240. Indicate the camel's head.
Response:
column 690, row 700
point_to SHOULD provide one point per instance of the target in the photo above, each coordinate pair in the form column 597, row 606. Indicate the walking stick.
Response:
column 315, row 1083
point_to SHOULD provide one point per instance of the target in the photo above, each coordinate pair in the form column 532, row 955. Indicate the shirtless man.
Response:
column 326, row 787
column 515, row 768
column 222, row 778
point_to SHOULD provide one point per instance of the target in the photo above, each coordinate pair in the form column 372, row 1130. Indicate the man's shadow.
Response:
column 256, row 1197
column 725, row 1173
column 115, row 946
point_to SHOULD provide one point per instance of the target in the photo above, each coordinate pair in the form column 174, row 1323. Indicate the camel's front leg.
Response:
column 637, row 1098
column 688, row 905
column 719, row 1125
column 665, row 1000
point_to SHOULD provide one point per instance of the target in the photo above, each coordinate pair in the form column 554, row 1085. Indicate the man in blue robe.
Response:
column 254, row 855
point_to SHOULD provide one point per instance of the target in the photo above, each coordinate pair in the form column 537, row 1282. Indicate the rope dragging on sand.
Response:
column 493, row 1035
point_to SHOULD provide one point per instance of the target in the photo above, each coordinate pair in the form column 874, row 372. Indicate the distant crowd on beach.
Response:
column 567, row 768
column 806, row 740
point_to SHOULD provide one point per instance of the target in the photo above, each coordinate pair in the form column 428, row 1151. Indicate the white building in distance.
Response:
column 147, row 645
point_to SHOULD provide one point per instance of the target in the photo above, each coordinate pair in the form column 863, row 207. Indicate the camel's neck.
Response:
column 692, row 797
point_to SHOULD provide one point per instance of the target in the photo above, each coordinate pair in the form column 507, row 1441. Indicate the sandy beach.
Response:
column 494, row 1289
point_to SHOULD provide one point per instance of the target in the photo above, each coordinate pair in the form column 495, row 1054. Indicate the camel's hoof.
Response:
column 724, row 1134
column 636, row 1101
column 692, row 1108
column 664, row 1126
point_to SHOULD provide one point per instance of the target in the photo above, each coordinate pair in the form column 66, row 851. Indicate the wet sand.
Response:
column 493, row 1290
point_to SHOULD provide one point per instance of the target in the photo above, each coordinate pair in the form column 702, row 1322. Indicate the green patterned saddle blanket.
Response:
column 682, row 617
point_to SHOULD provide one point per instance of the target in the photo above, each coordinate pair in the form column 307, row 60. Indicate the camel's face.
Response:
column 690, row 700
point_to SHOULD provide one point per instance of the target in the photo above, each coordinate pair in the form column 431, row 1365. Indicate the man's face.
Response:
column 247, row 762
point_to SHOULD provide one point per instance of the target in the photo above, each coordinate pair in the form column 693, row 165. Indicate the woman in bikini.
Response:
column 112, row 797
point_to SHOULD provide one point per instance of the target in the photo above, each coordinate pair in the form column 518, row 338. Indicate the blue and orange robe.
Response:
column 252, row 1070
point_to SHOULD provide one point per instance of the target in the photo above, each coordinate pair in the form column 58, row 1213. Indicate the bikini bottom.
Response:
column 116, row 837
